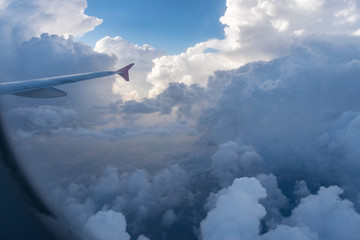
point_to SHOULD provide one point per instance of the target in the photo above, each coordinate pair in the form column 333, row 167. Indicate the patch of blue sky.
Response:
column 172, row 26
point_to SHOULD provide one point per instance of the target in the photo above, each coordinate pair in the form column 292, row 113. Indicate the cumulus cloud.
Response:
column 138, row 195
column 236, row 213
column 274, row 201
column 341, row 219
column 37, row 17
column 126, row 53
column 169, row 218
column 142, row 237
column 106, row 225
column 300, row 189
column 286, row 232
column 255, row 30
column 177, row 98
column 264, row 103
column 340, row 140
column 43, row 117
column 253, row 114
column 233, row 160
column 308, row 222
column 189, row 67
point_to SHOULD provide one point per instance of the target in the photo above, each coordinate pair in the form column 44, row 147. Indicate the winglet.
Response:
column 124, row 72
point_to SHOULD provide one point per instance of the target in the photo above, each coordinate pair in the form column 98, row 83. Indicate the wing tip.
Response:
column 124, row 72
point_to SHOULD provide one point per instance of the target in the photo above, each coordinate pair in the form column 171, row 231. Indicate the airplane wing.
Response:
column 44, row 87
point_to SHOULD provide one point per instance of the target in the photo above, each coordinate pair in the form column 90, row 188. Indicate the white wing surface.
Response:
column 44, row 87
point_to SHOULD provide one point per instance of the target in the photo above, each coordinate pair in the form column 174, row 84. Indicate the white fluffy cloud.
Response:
column 106, row 225
column 192, row 66
column 284, row 232
column 237, row 212
column 37, row 17
column 126, row 53
column 341, row 221
column 308, row 222
column 255, row 30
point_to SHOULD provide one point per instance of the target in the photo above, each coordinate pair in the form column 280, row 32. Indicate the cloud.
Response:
column 177, row 96
column 255, row 30
column 126, row 53
column 308, row 222
column 106, row 225
column 232, row 160
column 301, row 190
column 169, row 218
column 189, row 67
column 340, row 140
column 236, row 213
column 274, row 202
column 295, row 114
column 341, row 221
column 37, row 17
column 142, row 237
column 137, row 195
column 266, row 103
column 43, row 118
column 286, row 232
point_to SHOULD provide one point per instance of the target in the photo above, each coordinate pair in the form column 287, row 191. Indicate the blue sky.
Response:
column 168, row 25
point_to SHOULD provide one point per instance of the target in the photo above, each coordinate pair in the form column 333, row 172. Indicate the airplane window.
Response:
column 181, row 119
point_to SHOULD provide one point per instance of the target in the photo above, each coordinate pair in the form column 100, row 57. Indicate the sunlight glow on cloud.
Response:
column 255, row 30
column 127, row 52
column 53, row 17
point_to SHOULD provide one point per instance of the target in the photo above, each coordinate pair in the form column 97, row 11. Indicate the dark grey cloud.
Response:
column 184, row 97
column 138, row 195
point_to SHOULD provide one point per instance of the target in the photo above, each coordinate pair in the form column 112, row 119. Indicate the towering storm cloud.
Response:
column 254, row 136
column 255, row 30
